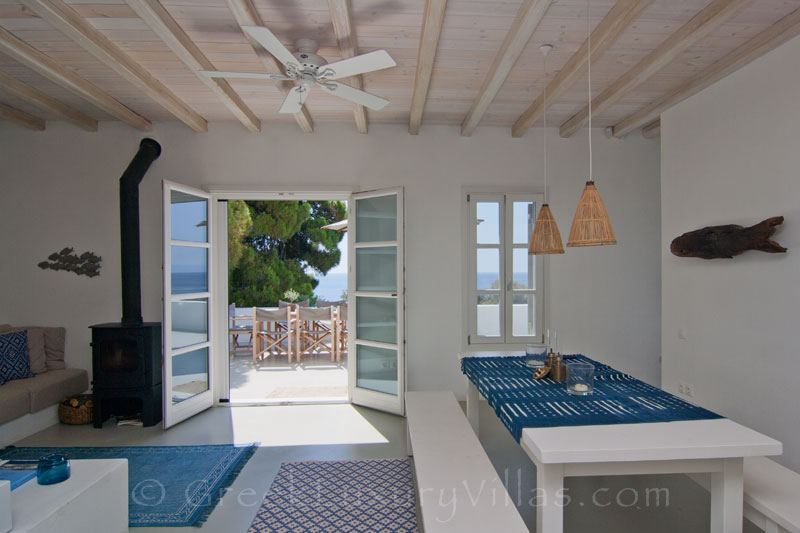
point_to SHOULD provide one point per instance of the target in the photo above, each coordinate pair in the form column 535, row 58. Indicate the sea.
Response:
column 330, row 286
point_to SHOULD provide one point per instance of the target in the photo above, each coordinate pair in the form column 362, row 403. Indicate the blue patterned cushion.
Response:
column 15, row 362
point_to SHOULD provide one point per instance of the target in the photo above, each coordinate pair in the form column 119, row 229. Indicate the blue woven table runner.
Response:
column 523, row 402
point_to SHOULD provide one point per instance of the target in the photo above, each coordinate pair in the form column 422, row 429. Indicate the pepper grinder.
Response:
column 558, row 370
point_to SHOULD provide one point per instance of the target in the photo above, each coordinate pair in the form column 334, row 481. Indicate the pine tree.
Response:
column 275, row 245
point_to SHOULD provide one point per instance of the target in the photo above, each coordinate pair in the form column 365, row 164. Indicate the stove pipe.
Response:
column 149, row 150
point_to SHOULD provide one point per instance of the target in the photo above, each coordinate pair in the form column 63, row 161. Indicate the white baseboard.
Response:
column 27, row 425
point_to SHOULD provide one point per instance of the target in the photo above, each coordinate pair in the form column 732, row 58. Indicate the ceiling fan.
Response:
column 307, row 69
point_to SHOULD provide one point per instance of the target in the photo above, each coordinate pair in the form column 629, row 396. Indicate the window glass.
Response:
column 488, row 220
column 504, row 297
column 524, row 218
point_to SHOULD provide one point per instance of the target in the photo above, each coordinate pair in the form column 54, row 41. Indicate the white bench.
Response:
column 771, row 495
column 458, row 488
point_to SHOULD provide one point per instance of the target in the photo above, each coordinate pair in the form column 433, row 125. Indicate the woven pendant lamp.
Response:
column 545, row 239
column 591, row 225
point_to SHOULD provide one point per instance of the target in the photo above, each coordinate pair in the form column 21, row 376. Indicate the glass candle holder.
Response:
column 552, row 339
column 53, row 468
column 535, row 355
column 580, row 378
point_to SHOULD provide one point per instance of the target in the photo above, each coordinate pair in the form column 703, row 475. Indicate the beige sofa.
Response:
column 52, row 381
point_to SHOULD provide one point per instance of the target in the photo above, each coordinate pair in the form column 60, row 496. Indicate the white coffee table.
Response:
column 93, row 499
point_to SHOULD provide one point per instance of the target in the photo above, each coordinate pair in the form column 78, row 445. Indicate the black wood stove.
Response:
column 126, row 356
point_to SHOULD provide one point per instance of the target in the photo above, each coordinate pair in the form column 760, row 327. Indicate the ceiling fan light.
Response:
column 545, row 239
column 591, row 225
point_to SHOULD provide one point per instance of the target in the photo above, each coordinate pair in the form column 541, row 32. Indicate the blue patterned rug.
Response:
column 169, row 485
column 343, row 496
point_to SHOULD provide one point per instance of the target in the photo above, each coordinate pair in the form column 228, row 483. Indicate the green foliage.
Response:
column 272, row 244
column 239, row 225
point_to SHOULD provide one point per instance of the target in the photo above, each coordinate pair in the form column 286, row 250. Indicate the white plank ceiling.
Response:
column 472, row 33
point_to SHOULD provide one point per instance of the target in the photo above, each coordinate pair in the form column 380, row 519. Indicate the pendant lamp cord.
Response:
column 545, row 129
column 589, row 60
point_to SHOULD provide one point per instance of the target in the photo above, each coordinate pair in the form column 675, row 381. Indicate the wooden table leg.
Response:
column 549, row 492
column 472, row 405
column 727, row 497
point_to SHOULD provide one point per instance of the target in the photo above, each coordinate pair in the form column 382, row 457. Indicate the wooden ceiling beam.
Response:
column 604, row 35
column 428, row 43
column 530, row 14
column 777, row 34
column 701, row 25
column 21, row 118
column 68, row 21
column 343, row 28
column 169, row 31
column 246, row 14
column 64, row 77
column 39, row 99
column 652, row 130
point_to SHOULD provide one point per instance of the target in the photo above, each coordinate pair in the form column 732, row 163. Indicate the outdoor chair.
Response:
column 234, row 330
column 311, row 331
column 293, row 305
column 341, row 321
column 272, row 333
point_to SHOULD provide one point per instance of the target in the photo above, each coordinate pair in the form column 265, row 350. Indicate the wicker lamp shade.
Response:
column 546, row 239
column 591, row 226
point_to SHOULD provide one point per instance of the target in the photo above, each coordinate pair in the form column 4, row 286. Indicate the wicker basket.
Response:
column 82, row 414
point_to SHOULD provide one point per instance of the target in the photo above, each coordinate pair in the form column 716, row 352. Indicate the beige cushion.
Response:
column 51, row 387
column 54, row 341
column 36, row 348
column 15, row 401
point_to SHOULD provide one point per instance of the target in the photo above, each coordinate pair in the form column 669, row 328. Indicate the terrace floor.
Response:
column 273, row 380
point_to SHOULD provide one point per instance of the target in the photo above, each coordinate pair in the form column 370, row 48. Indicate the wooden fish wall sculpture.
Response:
column 715, row 242
column 87, row 264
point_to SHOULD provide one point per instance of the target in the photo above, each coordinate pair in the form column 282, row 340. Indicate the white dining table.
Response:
column 716, row 446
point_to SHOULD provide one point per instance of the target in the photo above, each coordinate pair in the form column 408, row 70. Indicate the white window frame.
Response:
column 505, row 198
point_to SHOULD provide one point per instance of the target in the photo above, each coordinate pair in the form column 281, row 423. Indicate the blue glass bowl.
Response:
column 53, row 468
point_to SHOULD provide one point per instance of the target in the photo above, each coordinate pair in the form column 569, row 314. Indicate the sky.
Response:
column 341, row 268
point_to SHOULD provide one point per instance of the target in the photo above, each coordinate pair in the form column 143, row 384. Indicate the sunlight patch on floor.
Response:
column 302, row 425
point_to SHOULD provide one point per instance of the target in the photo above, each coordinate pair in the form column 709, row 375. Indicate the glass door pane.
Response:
column 523, row 323
column 376, row 269
column 377, row 369
column 189, row 375
column 188, row 335
column 189, row 269
column 377, row 218
column 486, row 268
column 376, row 300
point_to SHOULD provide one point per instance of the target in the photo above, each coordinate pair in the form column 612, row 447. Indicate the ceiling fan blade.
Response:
column 294, row 100
column 243, row 75
column 271, row 44
column 354, row 95
column 376, row 60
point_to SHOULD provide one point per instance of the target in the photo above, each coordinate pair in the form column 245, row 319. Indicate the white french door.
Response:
column 188, row 305
column 376, row 300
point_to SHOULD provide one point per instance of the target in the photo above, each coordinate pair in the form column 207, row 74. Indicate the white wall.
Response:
column 59, row 188
column 730, row 155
